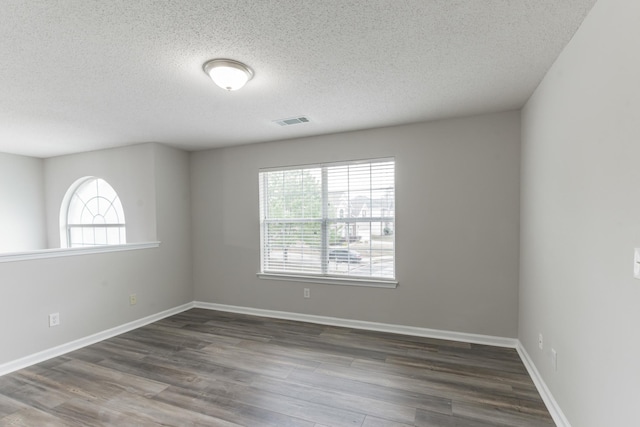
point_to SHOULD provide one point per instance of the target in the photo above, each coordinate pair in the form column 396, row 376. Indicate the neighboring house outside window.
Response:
column 330, row 220
column 92, row 215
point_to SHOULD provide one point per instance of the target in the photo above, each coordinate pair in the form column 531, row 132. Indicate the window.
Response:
column 330, row 220
column 92, row 215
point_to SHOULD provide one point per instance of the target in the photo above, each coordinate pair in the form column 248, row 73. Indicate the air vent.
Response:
column 292, row 121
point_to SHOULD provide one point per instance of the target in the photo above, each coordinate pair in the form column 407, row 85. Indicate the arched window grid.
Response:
column 92, row 218
column 87, row 212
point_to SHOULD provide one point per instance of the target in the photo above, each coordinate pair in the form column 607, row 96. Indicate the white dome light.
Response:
column 227, row 73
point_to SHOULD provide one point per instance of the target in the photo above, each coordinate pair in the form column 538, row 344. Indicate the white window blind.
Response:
column 334, row 220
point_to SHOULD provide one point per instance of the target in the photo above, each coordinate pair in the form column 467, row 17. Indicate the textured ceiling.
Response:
column 78, row 75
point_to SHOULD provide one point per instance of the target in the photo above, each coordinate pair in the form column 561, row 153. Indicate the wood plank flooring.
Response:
column 209, row 368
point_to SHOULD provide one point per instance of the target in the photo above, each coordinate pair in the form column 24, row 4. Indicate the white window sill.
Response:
column 62, row 252
column 372, row 283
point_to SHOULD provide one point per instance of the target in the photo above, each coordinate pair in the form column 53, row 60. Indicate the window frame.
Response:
column 66, row 225
column 325, row 221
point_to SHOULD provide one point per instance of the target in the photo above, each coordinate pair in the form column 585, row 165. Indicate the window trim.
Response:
column 331, row 280
column 66, row 227
column 325, row 221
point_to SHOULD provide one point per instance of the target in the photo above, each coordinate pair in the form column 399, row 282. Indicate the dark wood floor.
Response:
column 209, row 368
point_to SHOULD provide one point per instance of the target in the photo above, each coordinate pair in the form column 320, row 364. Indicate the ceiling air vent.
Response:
column 292, row 121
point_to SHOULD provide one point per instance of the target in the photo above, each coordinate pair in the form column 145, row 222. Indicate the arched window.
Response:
column 91, row 215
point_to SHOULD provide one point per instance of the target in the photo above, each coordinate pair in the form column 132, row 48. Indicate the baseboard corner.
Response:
column 552, row 405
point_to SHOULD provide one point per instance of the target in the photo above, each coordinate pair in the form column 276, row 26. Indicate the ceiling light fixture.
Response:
column 227, row 73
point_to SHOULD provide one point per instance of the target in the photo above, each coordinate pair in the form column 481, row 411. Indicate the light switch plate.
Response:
column 636, row 263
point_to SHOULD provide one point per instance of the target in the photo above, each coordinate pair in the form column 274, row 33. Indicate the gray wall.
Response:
column 173, row 213
column 581, row 220
column 457, row 225
column 129, row 170
column 22, row 209
column 91, row 291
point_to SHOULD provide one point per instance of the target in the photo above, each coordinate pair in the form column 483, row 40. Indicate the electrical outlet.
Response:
column 540, row 343
column 636, row 263
column 133, row 299
column 54, row 319
column 554, row 359
column 307, row 293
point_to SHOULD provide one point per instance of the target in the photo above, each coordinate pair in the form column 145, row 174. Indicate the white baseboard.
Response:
column 91, row 339
column 552, row 406
column 361, row 324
